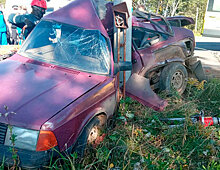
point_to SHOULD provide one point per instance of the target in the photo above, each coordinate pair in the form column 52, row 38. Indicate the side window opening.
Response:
column 143, row 38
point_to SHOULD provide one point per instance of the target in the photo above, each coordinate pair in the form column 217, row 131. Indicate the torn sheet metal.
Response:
column 180, row 21
column 81, row 13
column 198, row 71
column 138, row 88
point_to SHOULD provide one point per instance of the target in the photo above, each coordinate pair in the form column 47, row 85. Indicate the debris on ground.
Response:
column 206, row 121
column 8, row 50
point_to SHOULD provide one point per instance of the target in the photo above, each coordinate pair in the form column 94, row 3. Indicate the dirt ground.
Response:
column 7, row 50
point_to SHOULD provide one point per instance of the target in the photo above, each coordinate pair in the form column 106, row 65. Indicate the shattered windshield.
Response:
column 68, row 46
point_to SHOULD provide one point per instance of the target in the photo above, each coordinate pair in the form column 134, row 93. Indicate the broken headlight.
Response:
column 24, row 138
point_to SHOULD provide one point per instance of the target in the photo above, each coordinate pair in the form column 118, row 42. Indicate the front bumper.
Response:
column 26, row 159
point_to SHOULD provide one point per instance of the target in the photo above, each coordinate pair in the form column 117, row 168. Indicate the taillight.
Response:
column 46, row 141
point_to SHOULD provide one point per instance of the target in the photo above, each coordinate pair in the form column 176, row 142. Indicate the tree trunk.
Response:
column 175, row 6
column 166, row 10
column 158, row 7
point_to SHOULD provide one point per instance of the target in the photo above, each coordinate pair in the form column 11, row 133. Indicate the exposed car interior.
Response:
column 144, row 38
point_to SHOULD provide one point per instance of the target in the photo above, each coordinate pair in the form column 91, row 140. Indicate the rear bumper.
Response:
column 26, row 159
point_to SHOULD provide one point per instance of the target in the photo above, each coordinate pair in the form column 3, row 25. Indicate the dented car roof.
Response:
column 79, row 13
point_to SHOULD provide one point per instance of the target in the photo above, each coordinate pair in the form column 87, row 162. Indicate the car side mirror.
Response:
column 122, row 66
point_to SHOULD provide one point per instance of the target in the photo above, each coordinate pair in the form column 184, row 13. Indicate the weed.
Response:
column 2, row 166
column 65, row 161
column 212, row 166
column 13, row 150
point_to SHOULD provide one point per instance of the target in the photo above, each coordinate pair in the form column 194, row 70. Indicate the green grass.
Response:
column 134, row 142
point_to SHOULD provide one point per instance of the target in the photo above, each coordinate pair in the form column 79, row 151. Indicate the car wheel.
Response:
column 88, row 136
column 173, row 76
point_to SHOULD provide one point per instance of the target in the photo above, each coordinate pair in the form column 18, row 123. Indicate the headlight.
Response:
column 25, row 139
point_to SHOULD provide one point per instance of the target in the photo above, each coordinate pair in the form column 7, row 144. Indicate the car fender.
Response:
column 68, row 124
column 76, row 125
column 178, row 50
column 102, row 116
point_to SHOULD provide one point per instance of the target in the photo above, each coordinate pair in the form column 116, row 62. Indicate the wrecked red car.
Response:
column 59, row 87
column 162, row 57
column 62, row 86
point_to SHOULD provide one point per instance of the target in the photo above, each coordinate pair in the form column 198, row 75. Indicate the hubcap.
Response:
column 177, row 80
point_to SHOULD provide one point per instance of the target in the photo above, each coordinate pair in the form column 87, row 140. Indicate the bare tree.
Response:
column 174, row 6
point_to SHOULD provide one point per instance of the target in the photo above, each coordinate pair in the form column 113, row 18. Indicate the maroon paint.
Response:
column 182, row 18
column 75, row 116
column 147, row 53
column 49, row 97
column 39, row 91
column 80, row 13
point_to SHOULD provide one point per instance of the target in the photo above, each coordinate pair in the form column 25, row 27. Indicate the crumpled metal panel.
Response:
column 184, row 21
column 198, row 71
column 169, row 53
column 81, row 13
column 138, row 88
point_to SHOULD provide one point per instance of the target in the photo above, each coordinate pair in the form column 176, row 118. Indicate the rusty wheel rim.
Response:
column 93, row 134
column 177, row 80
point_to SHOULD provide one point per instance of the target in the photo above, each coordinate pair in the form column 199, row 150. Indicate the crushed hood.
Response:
column 36, row 92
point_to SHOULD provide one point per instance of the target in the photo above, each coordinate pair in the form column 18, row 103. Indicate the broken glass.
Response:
column 68, row 46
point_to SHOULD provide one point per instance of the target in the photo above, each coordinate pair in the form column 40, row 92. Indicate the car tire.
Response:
column 88, row 136
column 173, row 76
